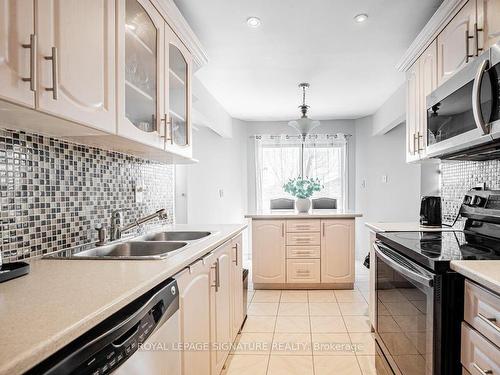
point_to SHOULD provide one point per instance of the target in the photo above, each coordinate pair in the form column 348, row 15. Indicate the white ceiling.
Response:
column 254, row 73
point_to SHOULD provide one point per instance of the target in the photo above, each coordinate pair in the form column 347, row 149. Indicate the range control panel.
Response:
column 482, row 205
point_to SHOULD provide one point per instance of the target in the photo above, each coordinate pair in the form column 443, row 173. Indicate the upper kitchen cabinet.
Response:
column 488, row 20
column 17, row 52
column 76, row 60
column 412, row 112
column 140, row 72
column 427, row 65
column 458, row 42
column 178, row 94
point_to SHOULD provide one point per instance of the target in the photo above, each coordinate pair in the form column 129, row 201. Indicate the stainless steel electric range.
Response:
column 419, row 299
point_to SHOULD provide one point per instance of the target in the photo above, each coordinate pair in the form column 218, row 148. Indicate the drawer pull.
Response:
column 490, row 321
column 481, row 371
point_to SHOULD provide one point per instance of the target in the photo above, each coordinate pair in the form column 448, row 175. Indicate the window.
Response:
column 278, row 158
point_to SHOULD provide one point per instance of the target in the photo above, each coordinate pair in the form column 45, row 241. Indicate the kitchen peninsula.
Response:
column 293, row 250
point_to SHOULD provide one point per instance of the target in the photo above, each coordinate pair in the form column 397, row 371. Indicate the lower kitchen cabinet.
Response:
column 195, row 319
column 211, row 308
column 303, row 253
column 303, row 271
column 337, row 251
column 220, row 306
column 268, row 246
column 236, row 286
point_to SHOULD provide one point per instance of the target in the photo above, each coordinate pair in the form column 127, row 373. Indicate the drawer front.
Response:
column 479, row 356
column 303, row 251
column 482, row 311
column 303, row 239
column 303, row 271
column 303, row 226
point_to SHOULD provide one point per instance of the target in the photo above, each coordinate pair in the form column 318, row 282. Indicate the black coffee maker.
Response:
column 430, row 212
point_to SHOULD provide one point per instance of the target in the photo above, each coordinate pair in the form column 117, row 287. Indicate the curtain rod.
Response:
column 298, row 136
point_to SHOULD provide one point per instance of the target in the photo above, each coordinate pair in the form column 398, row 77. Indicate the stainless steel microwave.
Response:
column 463, row 114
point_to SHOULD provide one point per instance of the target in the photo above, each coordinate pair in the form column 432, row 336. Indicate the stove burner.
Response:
column 431, row 247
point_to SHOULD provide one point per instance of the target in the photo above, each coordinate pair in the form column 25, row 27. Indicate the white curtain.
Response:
column 278, row 158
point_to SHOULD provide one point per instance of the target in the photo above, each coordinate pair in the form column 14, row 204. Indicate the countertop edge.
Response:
column 26, row 361
column 407, row 226
column 296, row 216
column 466, row 268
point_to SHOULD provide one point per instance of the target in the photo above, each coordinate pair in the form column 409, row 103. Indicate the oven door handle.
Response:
column 476, row 98
column 421, row 279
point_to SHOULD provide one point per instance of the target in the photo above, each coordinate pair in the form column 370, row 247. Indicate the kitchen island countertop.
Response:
column 61, row 299
column 293, row 214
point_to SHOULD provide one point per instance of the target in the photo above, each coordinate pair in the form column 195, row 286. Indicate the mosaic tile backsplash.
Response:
column 54, row 193
column 458, row 177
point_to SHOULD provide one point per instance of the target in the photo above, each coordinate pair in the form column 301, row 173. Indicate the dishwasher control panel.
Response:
column 117, row 352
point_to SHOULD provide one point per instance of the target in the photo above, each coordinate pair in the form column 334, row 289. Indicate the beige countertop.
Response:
column 483, row 272
column 61, row 299
column 292, row 214
column 411, row 226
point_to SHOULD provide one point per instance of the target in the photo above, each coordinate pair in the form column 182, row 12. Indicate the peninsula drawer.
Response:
column 303, row 271
column 482, row 311
column 478, row 355
column 303, row 226
column 303, row 252
column 301, row 239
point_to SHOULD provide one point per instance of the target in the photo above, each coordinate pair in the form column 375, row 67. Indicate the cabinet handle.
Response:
column 282, row 229
column 420, row 137
column 235, row 247
column 415, row 141
column 481, row 371
column 32, row 79
column 165, row 135
column 323, row 229
column 467, row 53
column 218, row 274
column 55, row 78
column 490, row 321
column 476, row 37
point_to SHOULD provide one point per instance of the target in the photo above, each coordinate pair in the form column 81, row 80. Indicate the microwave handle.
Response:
column 476, row 98
column 421, row 279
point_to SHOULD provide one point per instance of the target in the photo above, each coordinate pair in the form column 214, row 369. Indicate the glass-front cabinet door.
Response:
column 141, row 80
column 178, row 95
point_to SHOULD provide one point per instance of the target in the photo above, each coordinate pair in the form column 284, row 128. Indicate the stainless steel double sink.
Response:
column 155, row 245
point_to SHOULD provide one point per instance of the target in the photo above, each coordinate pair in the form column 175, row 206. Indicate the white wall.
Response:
column 207, row 111
column 392, row 113
column 396, row 200
column 222, row 166
column 281, row 127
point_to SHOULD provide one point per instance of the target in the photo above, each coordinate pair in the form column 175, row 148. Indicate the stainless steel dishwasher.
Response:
column 141, row 338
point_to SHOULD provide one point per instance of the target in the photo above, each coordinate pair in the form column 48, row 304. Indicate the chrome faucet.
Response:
column 117, row 219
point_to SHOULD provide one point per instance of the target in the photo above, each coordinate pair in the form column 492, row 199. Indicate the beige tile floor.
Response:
column 315, row 332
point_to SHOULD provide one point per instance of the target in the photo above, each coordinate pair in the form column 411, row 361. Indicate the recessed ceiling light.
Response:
column 361, row 17
column 253, row 22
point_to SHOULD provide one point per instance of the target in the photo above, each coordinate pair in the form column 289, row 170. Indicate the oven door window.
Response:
column 405, row 320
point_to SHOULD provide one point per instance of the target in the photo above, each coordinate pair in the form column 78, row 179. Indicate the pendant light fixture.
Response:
column 304, row 124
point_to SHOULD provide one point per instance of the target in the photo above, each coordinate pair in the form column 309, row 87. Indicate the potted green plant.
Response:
column 302, row 189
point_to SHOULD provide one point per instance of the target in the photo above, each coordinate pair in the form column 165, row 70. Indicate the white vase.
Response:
column 303, row 204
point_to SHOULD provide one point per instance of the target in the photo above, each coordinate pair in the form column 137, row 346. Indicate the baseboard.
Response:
column 318, row 286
